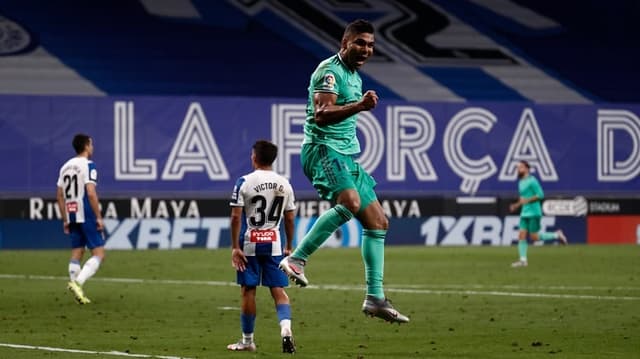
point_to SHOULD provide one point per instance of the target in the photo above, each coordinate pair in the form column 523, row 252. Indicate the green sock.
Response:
column 522, row 249
column 373, row 257
column 326, row 224
column 548, row 236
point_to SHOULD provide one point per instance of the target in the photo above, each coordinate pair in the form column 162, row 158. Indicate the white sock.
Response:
column 247, row 338
column 74, row 269
column 89, row 268
column 285, row 328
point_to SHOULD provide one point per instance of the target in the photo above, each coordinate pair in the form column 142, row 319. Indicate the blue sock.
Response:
column 248, row 322
column 284, row 311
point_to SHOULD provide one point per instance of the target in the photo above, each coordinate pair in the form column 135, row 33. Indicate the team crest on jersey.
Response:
column 329, row 81
column 93, row 174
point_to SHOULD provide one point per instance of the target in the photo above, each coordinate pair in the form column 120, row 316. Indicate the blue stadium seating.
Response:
column 497, row 50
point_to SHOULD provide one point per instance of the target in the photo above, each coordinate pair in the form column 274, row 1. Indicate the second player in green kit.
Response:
column 529, row 203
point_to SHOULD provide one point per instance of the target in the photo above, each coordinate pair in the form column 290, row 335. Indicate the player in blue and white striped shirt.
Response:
column 260, row 200
column 80, row 212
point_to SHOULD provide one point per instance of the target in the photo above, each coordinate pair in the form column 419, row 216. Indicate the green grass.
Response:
column 462, row 303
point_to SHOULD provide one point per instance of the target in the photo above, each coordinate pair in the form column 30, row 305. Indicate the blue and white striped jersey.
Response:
column 264, row 196
column 74, row 176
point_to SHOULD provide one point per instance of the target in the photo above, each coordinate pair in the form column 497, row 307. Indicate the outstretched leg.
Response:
column 327, row 223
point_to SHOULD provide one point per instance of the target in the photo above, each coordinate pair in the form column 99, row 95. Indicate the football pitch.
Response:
column 464, row 302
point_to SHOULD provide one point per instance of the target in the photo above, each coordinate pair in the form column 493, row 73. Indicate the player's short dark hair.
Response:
column 359, row 26
column 80, row 141
column 526, row 164
column 265, row 151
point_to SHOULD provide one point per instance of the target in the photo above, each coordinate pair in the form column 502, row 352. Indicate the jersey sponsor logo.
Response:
column 72, row 207
column 263, row 236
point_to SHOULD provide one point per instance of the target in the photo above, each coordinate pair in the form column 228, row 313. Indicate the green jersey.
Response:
column 333, row 76
column 529, row 187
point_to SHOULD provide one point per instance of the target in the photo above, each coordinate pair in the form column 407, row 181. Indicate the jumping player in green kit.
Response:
column 531, row 213
column 328, row 150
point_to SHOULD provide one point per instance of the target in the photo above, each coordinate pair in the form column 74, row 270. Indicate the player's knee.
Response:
column 99, row 253
column 373, row 217
column 380, row 222
column 248, row 291
column 351, row 201
column 352, row 206
column 279, row 295
column 384, row 223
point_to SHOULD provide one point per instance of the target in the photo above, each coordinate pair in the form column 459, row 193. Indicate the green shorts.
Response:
column 530, row 224
column 331, row 172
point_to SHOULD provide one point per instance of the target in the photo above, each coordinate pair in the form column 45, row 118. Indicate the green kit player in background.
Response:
column 328, row 150
column 531, row 196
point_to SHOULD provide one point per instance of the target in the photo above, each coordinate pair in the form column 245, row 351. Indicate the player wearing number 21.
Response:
column 259, row 202
column 80, row 212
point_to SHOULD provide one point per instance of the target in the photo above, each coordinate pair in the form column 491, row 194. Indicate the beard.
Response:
column 521, row 175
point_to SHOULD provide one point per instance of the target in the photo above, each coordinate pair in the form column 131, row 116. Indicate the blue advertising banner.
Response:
column 200, row 145
column 213, row 232
column 165, row 223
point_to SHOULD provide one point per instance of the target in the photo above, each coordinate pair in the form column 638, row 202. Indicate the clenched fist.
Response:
column 369, row 100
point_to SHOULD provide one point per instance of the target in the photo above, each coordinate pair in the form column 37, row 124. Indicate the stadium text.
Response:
column 406, row 142
column 392, row 208
column 40, row 209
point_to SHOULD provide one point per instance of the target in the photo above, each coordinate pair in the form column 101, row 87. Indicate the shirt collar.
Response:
column 344, row 63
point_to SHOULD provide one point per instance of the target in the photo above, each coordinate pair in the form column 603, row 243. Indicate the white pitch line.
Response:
column 490, row 293
column 514, row 294
column 407, row 289
column 511, row 286
column 79, row 351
